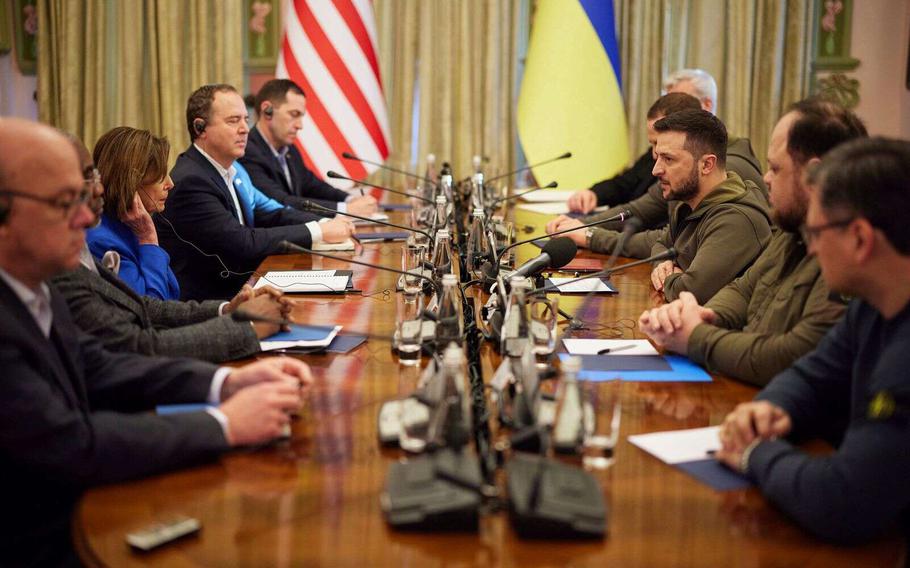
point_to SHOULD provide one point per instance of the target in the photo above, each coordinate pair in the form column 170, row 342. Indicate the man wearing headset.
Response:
column 276, row 165
column 216, row 236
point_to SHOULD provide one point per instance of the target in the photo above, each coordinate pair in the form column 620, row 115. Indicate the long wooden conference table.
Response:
column 314, row 500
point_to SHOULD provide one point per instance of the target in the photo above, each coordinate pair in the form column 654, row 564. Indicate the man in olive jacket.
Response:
column 718, row 223
column 759, row 324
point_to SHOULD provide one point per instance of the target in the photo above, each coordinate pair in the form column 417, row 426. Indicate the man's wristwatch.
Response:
column 589, row 234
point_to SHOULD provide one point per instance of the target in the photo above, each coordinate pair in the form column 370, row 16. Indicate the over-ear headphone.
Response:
column 199, row 125
column 268, row 111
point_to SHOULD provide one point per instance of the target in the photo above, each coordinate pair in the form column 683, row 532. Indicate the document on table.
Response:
column 345, row 245
column 691, row 452
column 567, row 286
column 617, row 346
column 301, row 336
column 555, row 208
column 300, row 281
column 373, row 217
column 678, row 446
column 547, row 195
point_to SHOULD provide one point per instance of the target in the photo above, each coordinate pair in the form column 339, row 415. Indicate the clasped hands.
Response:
column 564, row 222
column 266, row 302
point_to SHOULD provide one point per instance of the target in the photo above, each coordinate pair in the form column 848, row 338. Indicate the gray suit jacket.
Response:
column 107, row 308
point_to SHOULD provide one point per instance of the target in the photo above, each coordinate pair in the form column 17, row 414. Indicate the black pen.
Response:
column 614, row 349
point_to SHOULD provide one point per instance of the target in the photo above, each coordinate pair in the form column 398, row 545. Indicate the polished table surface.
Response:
column 314, row 500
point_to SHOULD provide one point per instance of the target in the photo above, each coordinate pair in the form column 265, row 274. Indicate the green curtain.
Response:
column 107, row 63
column 757, row 50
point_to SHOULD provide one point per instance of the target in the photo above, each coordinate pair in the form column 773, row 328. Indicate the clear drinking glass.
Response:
column 409, row 331
column 544, row 318
column 412, row 257
column 603, row 412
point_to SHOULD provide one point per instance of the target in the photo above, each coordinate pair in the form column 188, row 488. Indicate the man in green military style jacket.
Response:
column 781, row 307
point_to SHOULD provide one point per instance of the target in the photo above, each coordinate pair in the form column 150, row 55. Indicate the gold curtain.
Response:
column 459, row 57
column 757, row 50
column 103, row 64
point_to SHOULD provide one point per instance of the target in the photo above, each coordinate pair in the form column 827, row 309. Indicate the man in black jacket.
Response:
column 211, row 229
column 76, row 415
column 276, row 165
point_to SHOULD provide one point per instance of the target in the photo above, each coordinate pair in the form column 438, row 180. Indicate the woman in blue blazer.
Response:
column 133, row 168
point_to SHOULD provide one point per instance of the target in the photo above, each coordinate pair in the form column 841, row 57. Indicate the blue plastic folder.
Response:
column 683, row 371
column 395, row 206
column 303, row 333
column 715, row 474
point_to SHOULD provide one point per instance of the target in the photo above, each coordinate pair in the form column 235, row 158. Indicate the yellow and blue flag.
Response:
column 571, row 93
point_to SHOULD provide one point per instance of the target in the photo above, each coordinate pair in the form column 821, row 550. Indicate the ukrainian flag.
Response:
column 571, row 94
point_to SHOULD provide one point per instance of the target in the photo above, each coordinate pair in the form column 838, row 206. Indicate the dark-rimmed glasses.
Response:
column 68, row 201
column 811, row 232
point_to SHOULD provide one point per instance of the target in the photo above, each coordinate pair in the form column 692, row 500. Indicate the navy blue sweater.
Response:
column 854, row 391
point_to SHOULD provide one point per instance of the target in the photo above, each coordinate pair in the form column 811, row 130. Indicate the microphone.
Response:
column 317, row 208
column 336, row 175
column 245, row 316
column 668, row 254
column 288, row 246
column 556, row 254
column 523, row 193
column 519, row 170
column 621, row 216
column 349, row 156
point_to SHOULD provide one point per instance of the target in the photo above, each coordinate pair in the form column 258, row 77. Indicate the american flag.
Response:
column 329, row 49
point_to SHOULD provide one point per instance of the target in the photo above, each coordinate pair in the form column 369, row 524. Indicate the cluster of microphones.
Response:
column 450, row 477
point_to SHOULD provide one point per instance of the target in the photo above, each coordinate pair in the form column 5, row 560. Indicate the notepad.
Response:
column 301, row 336
column 567, row 286
column 305, row 281
column 345, row 245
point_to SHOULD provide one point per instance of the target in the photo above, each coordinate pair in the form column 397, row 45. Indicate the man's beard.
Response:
column 791, row 220
column 687, row 190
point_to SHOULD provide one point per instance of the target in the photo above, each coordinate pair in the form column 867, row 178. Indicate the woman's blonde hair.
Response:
column 128, row 158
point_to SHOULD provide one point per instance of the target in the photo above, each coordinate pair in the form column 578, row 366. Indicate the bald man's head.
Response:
column 41, row 182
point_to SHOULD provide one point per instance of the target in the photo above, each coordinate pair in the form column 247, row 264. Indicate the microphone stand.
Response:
column 316, row 208
column 336, row 175
column 532, row 166
column 349, row 156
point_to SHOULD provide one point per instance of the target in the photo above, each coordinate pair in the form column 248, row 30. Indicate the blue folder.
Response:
column 683, row 371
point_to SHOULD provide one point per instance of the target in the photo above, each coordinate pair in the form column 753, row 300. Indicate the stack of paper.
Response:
column 616, row 346
column 305, row 281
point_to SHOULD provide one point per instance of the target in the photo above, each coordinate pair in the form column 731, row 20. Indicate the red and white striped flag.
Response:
column 329, row 49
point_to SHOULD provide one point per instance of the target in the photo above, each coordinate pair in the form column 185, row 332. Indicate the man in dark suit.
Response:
column 274, row 162
column 74, row 414
column 215, row 236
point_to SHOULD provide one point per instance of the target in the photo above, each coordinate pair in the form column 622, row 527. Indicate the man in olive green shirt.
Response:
column 781, row 307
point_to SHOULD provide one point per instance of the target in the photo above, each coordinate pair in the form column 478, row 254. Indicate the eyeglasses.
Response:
column 68, row 201
column 811, row 232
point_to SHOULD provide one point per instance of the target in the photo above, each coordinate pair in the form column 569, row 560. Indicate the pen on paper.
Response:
column 615, row 349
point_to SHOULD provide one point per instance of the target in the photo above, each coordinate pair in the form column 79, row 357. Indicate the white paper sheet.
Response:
column 678, row 446
column 346, row 245
column 270, row 345
column 592, row 346
column 587, row 285
column 546, row 195
column 314, row 281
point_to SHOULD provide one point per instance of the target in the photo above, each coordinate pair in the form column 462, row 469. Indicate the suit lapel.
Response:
column 127, row 299
column 55, row 358
column 263, row 147
column 214, row 177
